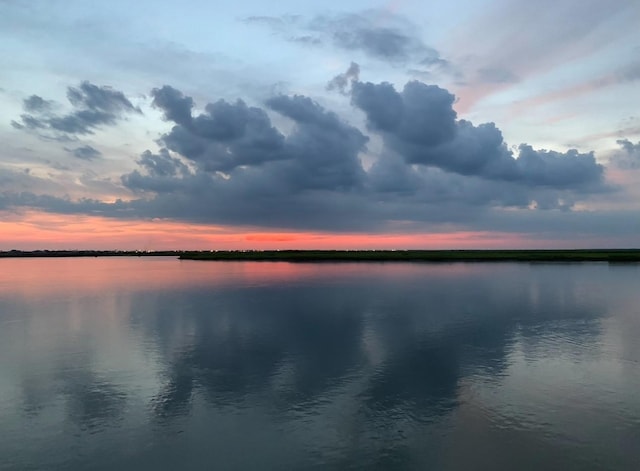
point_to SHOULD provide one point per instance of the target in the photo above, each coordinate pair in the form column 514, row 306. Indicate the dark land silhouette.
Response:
column 570, row 255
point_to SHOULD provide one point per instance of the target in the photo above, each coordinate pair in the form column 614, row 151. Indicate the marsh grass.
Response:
column 579, row 255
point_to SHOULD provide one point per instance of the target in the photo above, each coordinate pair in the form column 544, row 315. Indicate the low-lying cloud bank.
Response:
column 228, row 163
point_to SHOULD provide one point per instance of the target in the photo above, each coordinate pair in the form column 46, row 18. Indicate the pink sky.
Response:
column 37, row 230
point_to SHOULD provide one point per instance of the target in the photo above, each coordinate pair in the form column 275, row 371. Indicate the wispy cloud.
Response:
column 523, row 43
column 85, row 152
column 93, row 107
column 376, row 34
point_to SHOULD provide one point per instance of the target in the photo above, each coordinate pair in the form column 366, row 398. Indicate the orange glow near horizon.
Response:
column 38, row 230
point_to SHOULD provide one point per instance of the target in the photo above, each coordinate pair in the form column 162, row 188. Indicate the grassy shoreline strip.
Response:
column 576, row 255
column 597, row 255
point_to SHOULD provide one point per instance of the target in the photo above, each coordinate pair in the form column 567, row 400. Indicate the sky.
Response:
column 348, row 125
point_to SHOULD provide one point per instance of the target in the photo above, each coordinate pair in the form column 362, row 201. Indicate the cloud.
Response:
column 526, row 49
column 378, row 34
column 496, row 75
column 628, row 156
column 419, row 123
column 85, row 152
column 15, row 182
column 341, row 81
column 275, row 22
column 434, row 168
column 361, row 32
column 324, row 150
column 230, row 164
column 93, row 107
column 321, row 152
column 627, row 74
column 175, row 105
column 629, row 147
column 162, row 173
column 162, row 164
column 421, row 114
column 92, row 97
column 37, row 104
column 223, row 137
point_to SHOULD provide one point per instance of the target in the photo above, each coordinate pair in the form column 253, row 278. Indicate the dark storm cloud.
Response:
column 175, row 105
column 570, row 169
column 419, row 123
column 321, row 152
column 229, row 164
column 162, row 174
column 93, row 107
column 434, row 168
column 162, row 164
column 421, row 114
column 85, row 152
column 324, row 150
column 226, row 135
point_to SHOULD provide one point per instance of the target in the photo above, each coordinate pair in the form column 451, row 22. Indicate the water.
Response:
column 154, row 363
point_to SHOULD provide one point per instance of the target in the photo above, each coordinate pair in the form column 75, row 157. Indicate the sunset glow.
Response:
column 456, row 124
column 35, row 230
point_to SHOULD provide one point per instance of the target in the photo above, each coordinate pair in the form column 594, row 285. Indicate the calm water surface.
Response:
column 154, row 363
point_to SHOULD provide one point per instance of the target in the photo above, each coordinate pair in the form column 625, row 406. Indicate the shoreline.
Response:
column 577, row 255
column 556, row 255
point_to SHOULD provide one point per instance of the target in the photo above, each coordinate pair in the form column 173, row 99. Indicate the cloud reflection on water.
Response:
column 337, row 363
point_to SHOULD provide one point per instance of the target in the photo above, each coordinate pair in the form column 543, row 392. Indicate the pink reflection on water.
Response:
column 45, row 276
